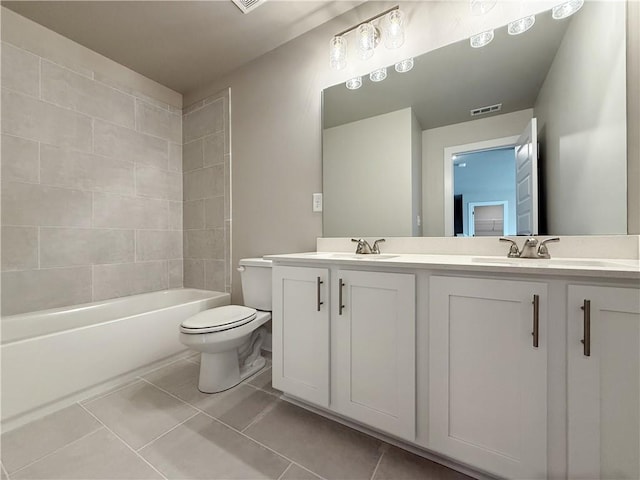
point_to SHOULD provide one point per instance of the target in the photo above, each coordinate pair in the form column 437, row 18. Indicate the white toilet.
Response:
column 230, row 337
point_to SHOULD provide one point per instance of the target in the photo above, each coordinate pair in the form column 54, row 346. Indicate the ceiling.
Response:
column 181, row 44
column 445, row 84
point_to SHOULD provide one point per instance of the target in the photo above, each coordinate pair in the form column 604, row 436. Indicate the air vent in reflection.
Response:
column 247, row 5
column 484, row 110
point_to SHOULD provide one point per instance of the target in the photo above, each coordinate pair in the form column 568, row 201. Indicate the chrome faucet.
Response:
column 543, row 251
column 365, row 249
column 376, row 247
column 529, row 249
column 363, row 246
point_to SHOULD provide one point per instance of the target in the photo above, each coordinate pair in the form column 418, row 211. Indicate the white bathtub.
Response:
column 55, row 357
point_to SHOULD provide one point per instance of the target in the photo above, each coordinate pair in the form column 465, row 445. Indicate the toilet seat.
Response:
column 218, row 319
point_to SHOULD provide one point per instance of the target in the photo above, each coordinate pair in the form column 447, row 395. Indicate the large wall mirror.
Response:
column 405, row 156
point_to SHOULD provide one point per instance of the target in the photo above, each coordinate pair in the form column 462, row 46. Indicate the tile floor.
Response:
column 161, row 426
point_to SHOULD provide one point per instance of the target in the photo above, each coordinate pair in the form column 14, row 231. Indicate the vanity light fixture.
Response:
column 378, row 75
column 404, row 65
column 522, row 25
column 354, row 83
column 481, row 39
column 566, row 9
column 368, row 36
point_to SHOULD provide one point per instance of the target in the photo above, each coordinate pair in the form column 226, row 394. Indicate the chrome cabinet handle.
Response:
column 318, row 283
column 536, row 321
column 586, row 318
column 340, row 305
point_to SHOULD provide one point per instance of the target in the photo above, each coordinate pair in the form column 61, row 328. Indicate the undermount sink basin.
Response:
column 360, row 256
column 551, row 262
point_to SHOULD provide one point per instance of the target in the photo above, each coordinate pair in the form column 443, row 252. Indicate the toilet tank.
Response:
column 255, row 274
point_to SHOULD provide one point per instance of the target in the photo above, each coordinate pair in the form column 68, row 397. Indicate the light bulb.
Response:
column 566, row 9
column 378, row 75
column 481, row 39
column 481, row 7
column 338, row 53
column 394, row 37
column 522, row 25
column 366, row 35
column 404, row 65
column 354, row 83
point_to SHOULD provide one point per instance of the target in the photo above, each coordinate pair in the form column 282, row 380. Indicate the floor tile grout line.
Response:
column 4, row 470
column 125, row 443
column 232, row 428
column 170, row 430
column 375, row 470
column 260, row 415
column 310, row 471
column 285, row 471
column 55, row 451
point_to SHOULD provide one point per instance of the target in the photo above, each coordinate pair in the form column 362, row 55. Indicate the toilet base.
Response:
column 221, row 371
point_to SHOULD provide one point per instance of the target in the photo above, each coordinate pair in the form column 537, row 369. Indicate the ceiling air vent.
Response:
column 247, row 5
column 484, row 110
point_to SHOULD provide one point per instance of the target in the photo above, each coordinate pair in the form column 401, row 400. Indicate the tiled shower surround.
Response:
column 92, row 187
column 207, row 209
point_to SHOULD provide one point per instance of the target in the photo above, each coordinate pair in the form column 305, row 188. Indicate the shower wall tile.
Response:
column 20, row 70
column 112, row 281
column 158, row 245
column 207, row 245
column 158, row 121
column 125, row 144
column 214, row 212
column 194, row 273
column 19, row 248
column 119, row 211
column 32, row 204
column 19, row 159
column 63, row 247
column 194, row 215
column 176, row 273
column 175, row 215
column 27, row 117
column 214, row 275
column 31, row 290
column 214, row 149
column 66, row 168
column 68, row 89
column 92, row 202
column 175, row 157
column 193, row 155
column 203, row 121
column 157, row 183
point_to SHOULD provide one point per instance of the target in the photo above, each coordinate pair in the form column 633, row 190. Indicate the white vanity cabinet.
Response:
column 373, row 349
column 301, row 332
column 488, row 374
column 603, row 382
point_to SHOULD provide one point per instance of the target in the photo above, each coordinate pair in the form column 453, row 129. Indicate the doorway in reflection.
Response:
column 485, row 189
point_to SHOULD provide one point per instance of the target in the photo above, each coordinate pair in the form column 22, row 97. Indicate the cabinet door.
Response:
column 487, row 380
column 301, row 333
column 374, row 338
column 604, row 386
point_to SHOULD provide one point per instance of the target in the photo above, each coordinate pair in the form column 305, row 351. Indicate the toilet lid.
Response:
column 219, row 318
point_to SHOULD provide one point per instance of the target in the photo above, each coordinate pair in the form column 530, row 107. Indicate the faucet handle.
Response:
column 514, row 251
column 376, row 247
column 543, row 250
column 363, row 246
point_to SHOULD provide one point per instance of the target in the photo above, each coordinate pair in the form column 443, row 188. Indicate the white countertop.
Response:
column 584, row 267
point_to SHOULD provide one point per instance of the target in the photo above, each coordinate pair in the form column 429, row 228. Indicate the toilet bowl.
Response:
column 230, row 337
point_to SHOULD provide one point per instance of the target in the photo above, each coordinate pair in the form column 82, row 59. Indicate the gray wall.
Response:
column 379, row 149
column 207, row 194
column 581, row 112
column 91, row 175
